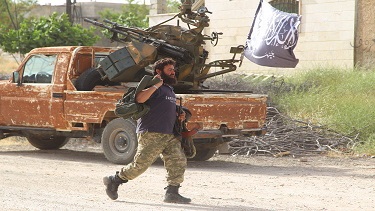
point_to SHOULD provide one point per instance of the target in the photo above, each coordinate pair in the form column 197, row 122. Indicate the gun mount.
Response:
column 185, row 45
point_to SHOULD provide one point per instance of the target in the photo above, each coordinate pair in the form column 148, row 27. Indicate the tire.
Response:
column 203, row 154
column 91, row 78
column 119, row 141
column 1, row 135
column 44, row 143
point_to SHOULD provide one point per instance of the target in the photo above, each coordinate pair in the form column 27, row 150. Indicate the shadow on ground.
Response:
column 294, row 169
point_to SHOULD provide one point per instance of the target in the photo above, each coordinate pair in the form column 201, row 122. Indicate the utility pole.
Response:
column 69, row 10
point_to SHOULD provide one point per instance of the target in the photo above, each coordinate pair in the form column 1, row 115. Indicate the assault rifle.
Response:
column 187, row 143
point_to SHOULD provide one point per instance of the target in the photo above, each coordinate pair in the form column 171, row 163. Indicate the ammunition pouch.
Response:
column 127, row 107
column 131, row 110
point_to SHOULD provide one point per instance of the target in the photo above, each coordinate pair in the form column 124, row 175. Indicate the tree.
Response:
column 12, row 13
column 173, row 6
column 132, row 15
column 43, row 32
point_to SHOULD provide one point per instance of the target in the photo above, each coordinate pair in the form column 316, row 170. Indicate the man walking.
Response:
column 156, row 136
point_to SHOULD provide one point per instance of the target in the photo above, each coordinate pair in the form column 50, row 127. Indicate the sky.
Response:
column 62, row 2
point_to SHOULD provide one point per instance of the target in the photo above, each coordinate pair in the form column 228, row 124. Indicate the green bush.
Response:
column 368, row 146
column 55, row 30
column 341, row 99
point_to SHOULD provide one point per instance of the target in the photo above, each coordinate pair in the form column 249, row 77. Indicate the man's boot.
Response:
column 112, row 183
column 172, row 195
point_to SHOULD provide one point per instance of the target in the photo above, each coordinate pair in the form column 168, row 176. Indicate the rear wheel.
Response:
column 119, row 141
column 203, row 154
column 44, row 143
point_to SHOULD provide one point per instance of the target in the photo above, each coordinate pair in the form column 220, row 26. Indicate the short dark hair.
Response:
column 161, row 63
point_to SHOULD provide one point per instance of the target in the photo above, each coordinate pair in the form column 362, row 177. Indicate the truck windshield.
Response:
column 39, row 69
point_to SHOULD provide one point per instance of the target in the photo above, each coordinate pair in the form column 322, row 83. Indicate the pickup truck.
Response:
column 41, row 102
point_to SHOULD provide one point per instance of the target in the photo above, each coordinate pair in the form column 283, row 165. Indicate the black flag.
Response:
column 272, row 37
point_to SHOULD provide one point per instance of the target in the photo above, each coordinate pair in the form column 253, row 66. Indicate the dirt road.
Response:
column 71, row 179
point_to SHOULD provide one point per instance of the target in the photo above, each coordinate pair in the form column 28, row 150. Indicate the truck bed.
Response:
column 232, row 112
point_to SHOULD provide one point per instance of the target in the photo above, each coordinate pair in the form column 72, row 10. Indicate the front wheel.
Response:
column 119, row 141
column 1, row 135
column 44, row 143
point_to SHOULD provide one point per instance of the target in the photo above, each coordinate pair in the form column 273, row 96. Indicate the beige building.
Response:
column 338, row 33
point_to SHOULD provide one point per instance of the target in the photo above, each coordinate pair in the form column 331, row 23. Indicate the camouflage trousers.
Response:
column 150, row 146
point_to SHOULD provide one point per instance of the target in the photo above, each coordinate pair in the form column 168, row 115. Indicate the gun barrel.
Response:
column 91, row 21
column 112, row 29
column 96, row 23
column 87, row 19
column 110, row 22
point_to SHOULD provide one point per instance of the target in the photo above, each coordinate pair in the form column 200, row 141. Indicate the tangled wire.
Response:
column 287, row 136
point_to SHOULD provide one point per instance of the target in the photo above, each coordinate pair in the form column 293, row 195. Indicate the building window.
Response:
column 290, row 6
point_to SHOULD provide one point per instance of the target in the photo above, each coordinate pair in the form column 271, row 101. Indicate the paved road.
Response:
column 71, row 179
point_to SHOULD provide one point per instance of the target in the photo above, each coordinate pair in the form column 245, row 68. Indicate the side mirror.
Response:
column 16, row 78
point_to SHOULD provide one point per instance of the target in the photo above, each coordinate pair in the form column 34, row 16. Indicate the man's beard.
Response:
column 168, row 79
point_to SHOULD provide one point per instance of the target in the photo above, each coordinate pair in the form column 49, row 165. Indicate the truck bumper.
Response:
column 213, row 134
column 254, row 132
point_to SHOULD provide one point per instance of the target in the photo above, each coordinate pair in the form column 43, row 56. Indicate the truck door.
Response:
column 29, row 103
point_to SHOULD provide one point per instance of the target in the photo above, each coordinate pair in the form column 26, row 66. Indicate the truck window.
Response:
column 39, row 69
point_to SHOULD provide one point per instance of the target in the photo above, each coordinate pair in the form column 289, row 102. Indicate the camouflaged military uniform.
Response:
column 150, row 146
column 156, row 138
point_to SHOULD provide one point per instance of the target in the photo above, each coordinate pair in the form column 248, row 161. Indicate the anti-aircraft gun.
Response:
column 185, row 45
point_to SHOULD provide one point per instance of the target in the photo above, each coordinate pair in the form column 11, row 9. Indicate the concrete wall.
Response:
column 84, row 9
column 158, row 7
column 156, row 19
column 327, row 32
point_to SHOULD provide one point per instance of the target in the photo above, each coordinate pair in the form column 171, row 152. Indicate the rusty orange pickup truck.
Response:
column 41, row 102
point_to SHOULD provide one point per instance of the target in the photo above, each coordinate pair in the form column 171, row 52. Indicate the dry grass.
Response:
column 8, row 65
column 13, row 141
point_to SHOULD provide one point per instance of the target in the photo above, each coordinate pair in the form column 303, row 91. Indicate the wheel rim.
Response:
column 120, row 142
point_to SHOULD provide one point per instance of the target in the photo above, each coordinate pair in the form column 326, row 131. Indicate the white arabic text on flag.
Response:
column 273, row 37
